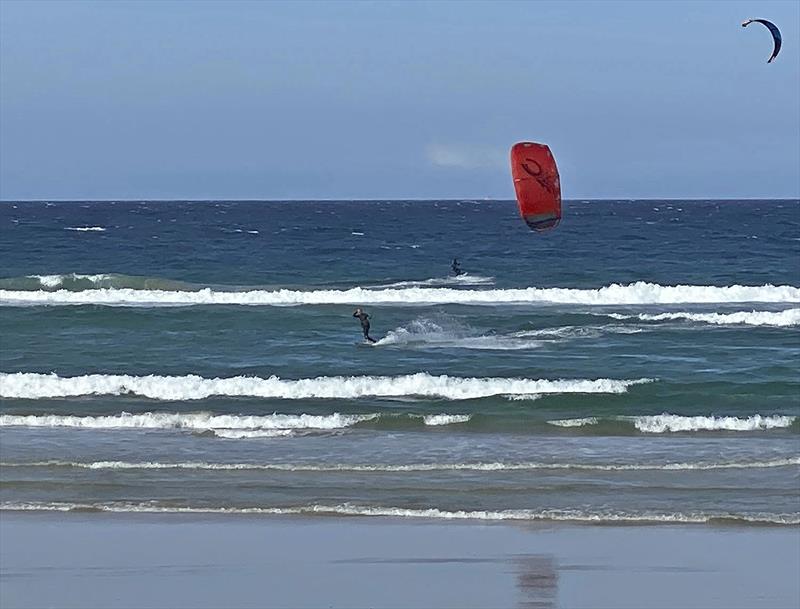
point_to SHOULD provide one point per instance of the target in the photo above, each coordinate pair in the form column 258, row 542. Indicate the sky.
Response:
column 342, row 100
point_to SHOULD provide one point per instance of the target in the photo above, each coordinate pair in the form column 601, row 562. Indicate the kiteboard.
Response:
column 537, row 185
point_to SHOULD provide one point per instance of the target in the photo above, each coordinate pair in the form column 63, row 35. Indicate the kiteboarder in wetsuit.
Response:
column 364, row 319
column 456, row 266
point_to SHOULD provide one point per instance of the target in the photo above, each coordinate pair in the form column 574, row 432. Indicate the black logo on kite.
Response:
column 533, row 169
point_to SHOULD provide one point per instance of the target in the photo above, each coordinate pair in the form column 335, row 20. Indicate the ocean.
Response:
column 637, row 364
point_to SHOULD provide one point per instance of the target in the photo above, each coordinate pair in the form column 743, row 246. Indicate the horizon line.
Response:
column 388, row 200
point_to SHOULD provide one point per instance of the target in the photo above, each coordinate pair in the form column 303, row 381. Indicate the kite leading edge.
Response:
column 776, row 35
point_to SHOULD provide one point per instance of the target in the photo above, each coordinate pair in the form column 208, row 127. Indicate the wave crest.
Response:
column 616, row 294
column 27, row 385
column 574, row 422
column 672, row 423
column 445, row 419
column 223, row 425
column 779, row 319
column 677, row 423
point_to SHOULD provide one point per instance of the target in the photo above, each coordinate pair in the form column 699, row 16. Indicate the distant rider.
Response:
column 364, row 319
column 456, row 266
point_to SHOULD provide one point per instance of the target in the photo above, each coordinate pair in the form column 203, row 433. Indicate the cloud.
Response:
column 466, row 156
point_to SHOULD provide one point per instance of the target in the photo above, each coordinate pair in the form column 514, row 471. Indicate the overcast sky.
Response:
column 265, row 100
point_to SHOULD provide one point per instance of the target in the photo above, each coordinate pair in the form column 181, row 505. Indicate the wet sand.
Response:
column 146, row 560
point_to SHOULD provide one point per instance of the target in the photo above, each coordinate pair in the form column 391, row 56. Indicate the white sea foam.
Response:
column 346, row 509
column 194, row 421
column 446, row 419
column 48, row 281
column 410, row 467
column 788, row 317
column 34, row 386
column 670, row 422
column 53, row 281
column 574, row 422
column 635, row 293
column 86, row 229
column 674, row 423
column 243, row 434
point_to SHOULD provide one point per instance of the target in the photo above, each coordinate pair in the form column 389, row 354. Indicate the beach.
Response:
column 144, row 560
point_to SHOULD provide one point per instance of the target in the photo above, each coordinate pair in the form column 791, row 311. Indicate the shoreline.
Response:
column 364, row 514
column 81, row 559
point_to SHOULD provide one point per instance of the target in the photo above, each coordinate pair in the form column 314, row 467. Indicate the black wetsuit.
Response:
column 364, row 319
column 456, row 267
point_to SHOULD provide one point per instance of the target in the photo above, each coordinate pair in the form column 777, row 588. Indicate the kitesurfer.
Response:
column 456, row 266
column 364, row 319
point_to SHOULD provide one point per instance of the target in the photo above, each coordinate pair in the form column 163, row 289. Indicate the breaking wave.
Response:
column 243, row 434
column 574, row 422
column 26, row 385
column 445, row 419
column 243, row 426
column 54, row 281
column 86, row 229
column 76, row 282
column 670, row 422
column 676, row 423
column 636, row 293
column 789, row 317
column 347, row 509
column 224, row 426
column 410, row 467
column 233, row 427
column 523, row 397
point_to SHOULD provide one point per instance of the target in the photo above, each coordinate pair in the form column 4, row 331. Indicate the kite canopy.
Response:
column 537, row 185
column 776, row 35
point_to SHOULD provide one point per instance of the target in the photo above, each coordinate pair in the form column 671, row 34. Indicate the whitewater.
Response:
column 641, row 293
column 778, row 319
column 666, row 422
column 192, row 387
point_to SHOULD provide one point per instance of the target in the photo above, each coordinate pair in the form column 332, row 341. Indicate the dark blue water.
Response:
column 639, row 362
column 313, row 243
